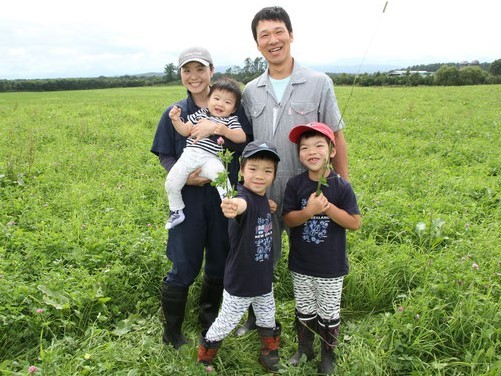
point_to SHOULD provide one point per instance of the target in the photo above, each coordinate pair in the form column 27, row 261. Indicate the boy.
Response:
column 224, row 99
column 318, row 220
column 248, row 277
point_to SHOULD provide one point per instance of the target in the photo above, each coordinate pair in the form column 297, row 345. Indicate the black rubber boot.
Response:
column 270, row 342
column 174, row 300
column 249, row 325
column 207, row 350
column 211, row 294
column 328, row 330
column 306, row 326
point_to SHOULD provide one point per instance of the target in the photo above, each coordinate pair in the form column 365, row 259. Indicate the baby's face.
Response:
column 222, row 103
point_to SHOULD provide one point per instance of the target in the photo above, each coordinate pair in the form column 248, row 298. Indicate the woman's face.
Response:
column 196, row 77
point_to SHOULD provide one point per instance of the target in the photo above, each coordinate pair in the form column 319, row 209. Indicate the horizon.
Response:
column 326, row 68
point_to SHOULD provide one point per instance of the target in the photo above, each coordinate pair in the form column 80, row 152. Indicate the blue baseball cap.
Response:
column 257, row 146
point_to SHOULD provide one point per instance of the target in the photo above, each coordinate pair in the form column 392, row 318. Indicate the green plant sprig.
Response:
column 322, row 181
column 222, row 179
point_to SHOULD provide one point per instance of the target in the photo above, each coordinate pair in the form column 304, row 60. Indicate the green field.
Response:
column 82, row 239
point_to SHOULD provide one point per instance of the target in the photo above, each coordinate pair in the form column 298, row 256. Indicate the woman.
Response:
column 205, row 227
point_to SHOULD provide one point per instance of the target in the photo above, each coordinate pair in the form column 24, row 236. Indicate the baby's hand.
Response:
column 229, row 208
column 220, row 129
column 175, row 113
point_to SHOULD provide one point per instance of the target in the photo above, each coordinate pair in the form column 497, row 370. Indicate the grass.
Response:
column 82, row 244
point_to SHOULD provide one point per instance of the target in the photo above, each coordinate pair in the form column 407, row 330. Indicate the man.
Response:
column 284, row 96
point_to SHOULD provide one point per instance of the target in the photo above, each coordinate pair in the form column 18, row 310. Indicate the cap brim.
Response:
column 201, row 61
column 296, row 132
column 268, row 151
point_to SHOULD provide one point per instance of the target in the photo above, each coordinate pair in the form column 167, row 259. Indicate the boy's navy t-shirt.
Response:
column 249, row 266
column 318, row 246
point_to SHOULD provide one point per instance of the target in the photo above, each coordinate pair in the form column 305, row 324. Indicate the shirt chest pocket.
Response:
column 256, row 111
column 303, row 112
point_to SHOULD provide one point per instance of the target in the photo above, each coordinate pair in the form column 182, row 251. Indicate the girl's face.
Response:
column 196, row 77
column 274, row 41
column 314, row 153
column 258, row 174
column 222, row 103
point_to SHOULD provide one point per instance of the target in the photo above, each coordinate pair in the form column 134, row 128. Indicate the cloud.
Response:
column 56, row 38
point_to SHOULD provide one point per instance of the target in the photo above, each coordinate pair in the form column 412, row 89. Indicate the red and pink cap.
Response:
column 298, row 130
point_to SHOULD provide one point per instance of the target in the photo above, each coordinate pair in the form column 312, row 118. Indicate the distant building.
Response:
column 405, row 72
column 474, row 63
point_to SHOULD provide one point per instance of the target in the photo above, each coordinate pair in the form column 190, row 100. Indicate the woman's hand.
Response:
column 203, row 129
column 195, row 179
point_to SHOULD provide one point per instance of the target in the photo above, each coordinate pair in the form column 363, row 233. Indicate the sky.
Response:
column 61, row 38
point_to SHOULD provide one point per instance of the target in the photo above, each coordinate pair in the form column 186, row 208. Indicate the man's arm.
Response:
column 340, row 160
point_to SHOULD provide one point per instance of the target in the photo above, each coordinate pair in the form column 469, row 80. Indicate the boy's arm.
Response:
column 184, row 129
column 318, row 205
column 233, row 206
column 343, row 218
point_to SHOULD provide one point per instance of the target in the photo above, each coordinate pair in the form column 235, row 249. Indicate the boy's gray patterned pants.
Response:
column 318, row 296
column 234, row 307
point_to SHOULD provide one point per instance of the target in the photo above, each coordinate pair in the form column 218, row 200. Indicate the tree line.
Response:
column 449, row 74
column 446, row 75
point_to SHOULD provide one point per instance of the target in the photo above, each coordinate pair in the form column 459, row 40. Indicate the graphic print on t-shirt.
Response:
column 263, row 238
column 315, row 229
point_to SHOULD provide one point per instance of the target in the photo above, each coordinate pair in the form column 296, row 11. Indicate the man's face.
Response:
column 274, row 41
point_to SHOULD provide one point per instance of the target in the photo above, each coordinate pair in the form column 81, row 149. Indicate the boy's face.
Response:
column 196, row 77
column 258, row 174
column 314, row 152
column 222, row 103
column 274, row 41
